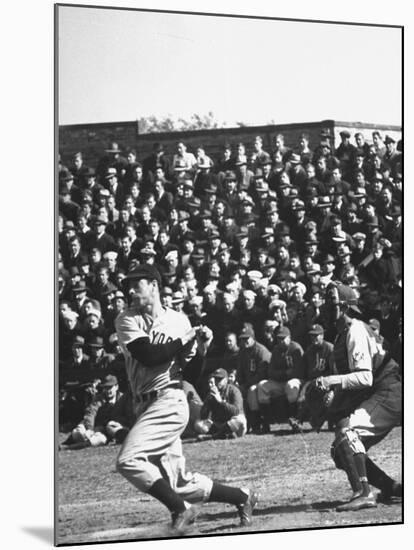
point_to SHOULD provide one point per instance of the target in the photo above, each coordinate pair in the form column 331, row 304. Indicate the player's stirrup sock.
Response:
column 163, row 492
column 378, row 478
column 359, row 459
column 224, row 493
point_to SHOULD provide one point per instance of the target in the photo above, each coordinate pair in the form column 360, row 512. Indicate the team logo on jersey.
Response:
column 358, row 356
column 159, row 338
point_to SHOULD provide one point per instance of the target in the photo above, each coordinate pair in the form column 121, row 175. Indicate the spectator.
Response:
column 252, row 367
column 106, row 418
column 222, row 415
column 270, row 225
column 285, row 374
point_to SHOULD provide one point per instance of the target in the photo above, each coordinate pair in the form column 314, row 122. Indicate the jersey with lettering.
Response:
column 169, row 326
column 357, row 349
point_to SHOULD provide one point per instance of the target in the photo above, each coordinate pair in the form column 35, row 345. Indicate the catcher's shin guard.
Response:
column 343, row 455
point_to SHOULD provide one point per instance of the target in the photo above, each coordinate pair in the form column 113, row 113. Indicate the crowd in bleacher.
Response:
column 246, row 245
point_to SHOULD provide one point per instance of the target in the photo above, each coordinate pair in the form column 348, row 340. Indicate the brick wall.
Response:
column 92, row 139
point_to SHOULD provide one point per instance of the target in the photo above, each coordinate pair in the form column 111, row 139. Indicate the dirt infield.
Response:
column 298, row 485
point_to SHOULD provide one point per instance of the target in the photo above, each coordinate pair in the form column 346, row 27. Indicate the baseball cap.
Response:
column 349, row 296
column 283, row 332
column 254, row 275
column 219, row 373
column 316, row 329
column 247, row 331
column 145, row 271
column 109, row 381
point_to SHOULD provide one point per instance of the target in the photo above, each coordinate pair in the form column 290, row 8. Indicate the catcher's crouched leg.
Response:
column 348, row 453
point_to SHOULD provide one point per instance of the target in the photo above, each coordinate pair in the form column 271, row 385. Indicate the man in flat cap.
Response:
column 101, row 239
column 79, row 359
column 222, row 414
column 106, row 418
column 112, row 184
column 345, row 152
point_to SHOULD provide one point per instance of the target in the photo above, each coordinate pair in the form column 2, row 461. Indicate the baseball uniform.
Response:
column 152, row 449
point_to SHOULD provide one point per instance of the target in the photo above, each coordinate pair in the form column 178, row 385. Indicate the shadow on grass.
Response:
column 323, row 506
column 45, row 534
column 272, row 510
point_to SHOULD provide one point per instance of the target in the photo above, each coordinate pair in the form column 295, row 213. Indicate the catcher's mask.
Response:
column 343, row 296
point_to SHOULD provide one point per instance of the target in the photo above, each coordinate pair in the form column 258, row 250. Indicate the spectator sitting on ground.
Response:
column 222, row 415
column 106, row 418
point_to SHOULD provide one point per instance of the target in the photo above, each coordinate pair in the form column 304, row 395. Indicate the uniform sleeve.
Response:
column 128, row 329
column 359, row 353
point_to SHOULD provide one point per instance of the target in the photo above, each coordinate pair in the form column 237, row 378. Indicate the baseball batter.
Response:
column 156, row 342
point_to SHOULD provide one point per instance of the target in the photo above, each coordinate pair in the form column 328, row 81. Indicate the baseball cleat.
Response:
column 395, row 495
column 182, row 522
column 246, row 510
column 358, row 503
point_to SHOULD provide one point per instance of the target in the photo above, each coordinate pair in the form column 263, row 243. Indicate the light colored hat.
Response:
column 177, row 297
column 279, row 304
column 301, row 287
column 196, row 301
column 171, row 254
column 274, row 289
column 71, row 315
column 255, row 275
column 110, row 255
column 95, row 312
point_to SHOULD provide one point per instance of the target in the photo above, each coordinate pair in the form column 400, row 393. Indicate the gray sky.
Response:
column 121, row 65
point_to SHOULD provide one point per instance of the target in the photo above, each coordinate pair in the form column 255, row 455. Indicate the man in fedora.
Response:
column 98, row 358
column 112, row 159
column 89, row 183
column 111, row 179
column 296, row 171
column 101, row 239
column 78, row 359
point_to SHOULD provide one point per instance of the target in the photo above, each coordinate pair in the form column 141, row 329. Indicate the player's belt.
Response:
column 149, row 396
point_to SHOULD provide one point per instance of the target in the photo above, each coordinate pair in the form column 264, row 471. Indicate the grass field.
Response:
column 298, row 484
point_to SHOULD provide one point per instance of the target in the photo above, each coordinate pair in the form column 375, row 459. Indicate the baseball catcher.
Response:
column 363, row 400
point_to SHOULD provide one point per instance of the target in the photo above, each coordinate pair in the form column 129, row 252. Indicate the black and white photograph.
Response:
column 228, row 274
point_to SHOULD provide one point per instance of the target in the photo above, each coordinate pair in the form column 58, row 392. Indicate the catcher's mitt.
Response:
column 314, row 402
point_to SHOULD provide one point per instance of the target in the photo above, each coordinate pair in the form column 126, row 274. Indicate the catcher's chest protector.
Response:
column 341, row 353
